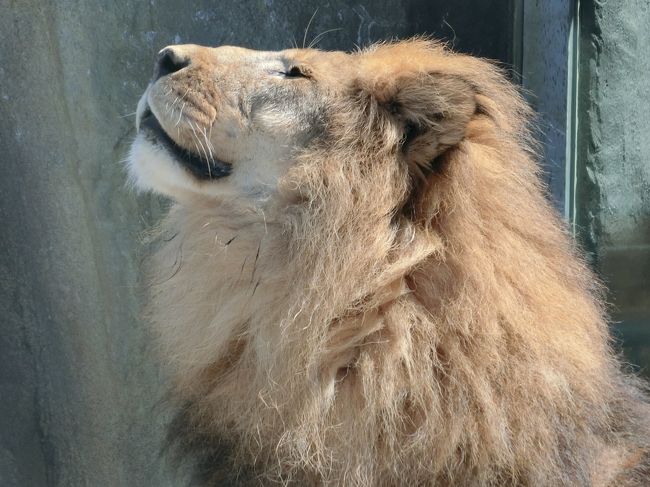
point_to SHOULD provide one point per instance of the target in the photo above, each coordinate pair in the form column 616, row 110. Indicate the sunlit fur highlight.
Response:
column 389, row 320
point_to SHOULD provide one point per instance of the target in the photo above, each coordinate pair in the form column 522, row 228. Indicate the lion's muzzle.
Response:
column 199, row 167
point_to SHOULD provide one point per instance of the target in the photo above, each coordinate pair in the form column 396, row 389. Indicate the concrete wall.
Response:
column 613, row 178
column 81, row 396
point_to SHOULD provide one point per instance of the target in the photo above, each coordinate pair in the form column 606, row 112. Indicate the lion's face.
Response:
column 228, row 120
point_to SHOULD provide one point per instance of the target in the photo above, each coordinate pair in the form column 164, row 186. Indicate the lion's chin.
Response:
column 197, row 166
column 153, row 167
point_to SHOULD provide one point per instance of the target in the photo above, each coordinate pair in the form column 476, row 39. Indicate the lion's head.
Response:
column 230, row 121
column 361, row 282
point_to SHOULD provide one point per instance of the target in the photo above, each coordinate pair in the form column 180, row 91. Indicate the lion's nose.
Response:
column 169, row 61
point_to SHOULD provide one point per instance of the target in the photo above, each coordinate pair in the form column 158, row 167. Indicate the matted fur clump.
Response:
column 402, row 306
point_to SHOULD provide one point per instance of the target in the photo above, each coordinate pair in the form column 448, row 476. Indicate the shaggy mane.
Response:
column 408, row 309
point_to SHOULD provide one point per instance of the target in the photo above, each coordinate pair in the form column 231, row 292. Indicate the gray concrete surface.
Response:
column 613, row 199
column 81, row 396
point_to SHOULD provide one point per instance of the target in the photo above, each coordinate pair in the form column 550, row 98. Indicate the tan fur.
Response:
column 403, row 309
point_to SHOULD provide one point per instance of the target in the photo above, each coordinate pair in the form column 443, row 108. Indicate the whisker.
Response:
column 208, row 143
column 198, row 141
column 320, row 36
column 198, row 151
column 180, row 115
column 205, row 153
column 183, row 107
column 304, row 38
column 453, row 40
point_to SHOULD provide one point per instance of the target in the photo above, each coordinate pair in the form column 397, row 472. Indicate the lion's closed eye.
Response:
column 296, row 72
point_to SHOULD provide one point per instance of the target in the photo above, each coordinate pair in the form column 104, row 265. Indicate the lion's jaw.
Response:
column 224, row 121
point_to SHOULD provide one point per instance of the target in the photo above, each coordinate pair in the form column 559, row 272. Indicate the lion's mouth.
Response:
column 198, row 166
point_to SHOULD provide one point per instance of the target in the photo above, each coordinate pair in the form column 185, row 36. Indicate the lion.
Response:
column 361, row 282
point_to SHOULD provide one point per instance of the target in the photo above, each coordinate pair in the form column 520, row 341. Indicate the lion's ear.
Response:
column 432, row 110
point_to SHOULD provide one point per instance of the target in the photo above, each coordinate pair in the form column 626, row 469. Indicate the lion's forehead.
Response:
column 325, row 64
